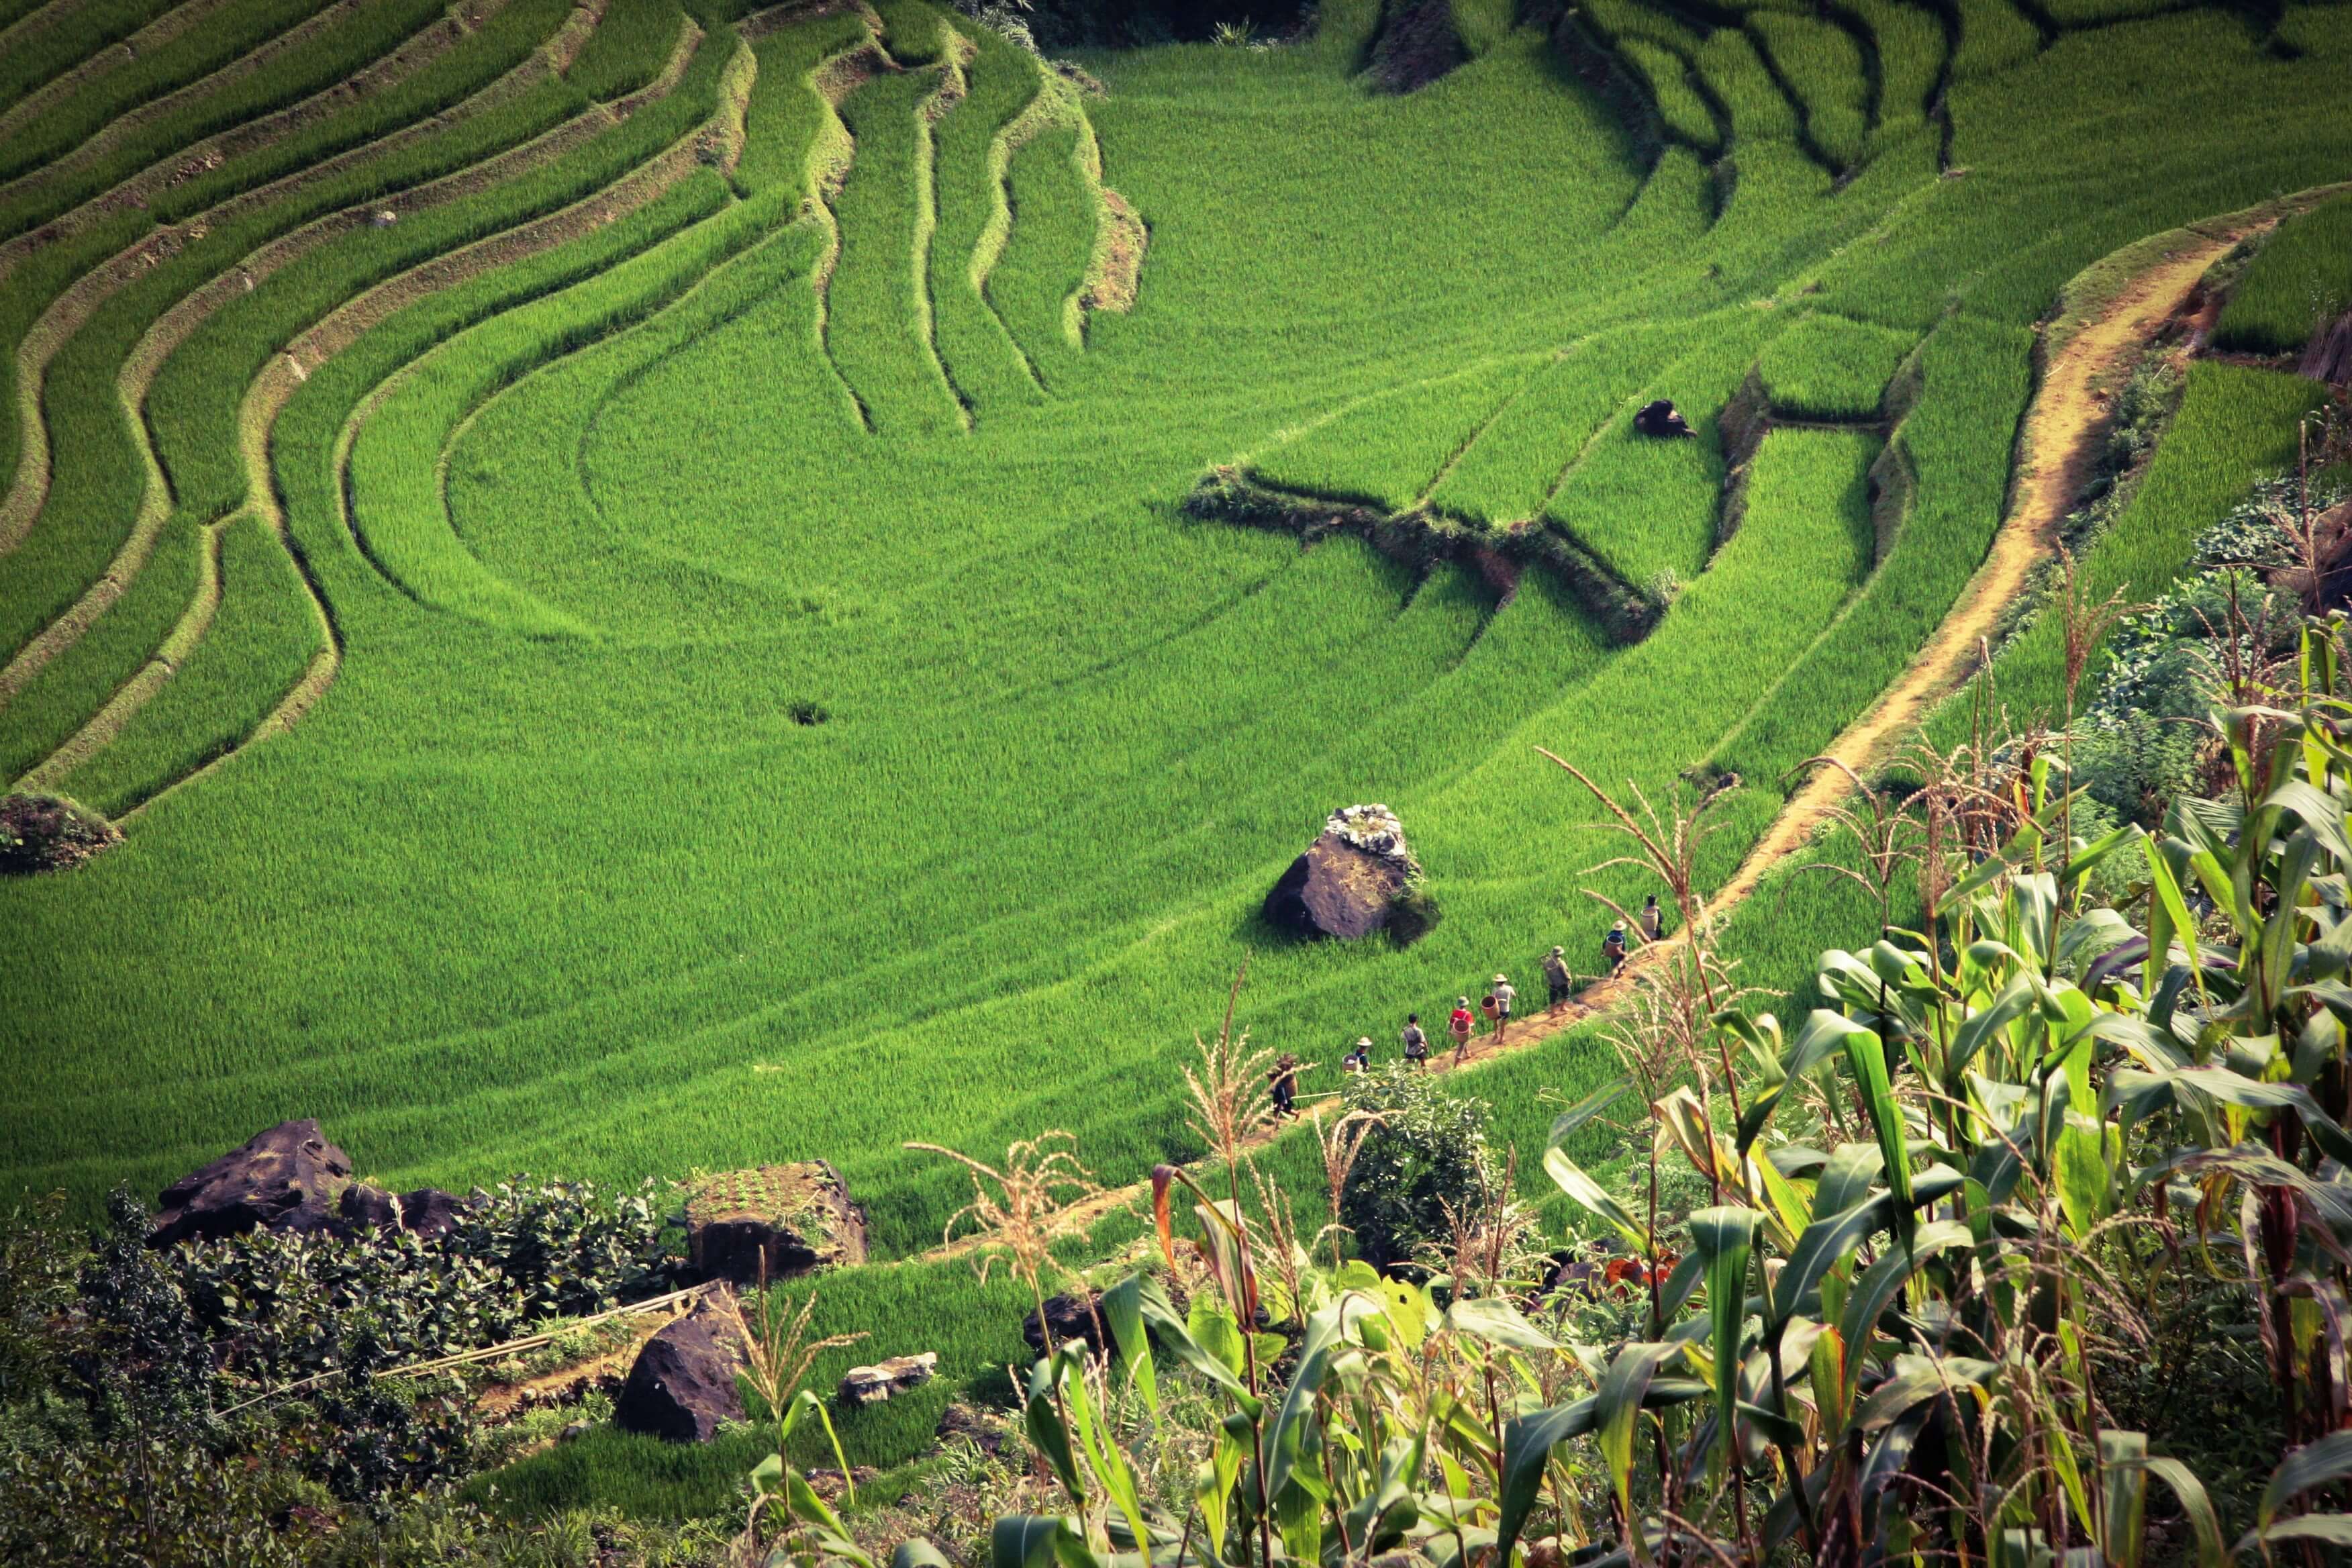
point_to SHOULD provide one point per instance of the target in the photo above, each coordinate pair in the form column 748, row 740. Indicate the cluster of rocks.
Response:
column 1345, row 883
column 289, row 1178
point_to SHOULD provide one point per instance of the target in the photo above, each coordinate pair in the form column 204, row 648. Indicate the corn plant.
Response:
column 1894, row 1343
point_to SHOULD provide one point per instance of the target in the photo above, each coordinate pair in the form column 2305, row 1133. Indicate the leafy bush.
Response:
column 1425, row 1155
column 285, row 1307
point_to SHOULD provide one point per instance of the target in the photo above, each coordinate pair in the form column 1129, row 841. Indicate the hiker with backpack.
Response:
column 1416, row 1043
column 1556, row 979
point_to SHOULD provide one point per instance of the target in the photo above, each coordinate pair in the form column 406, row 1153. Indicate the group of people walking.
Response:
column 1499, row 1003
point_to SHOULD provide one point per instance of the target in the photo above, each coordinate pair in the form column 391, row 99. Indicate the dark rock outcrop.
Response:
column 682, row 1385
column 429, row 1212
column 287, row 1178
column 2329, row 356
column 366, row 1207
column 872, row 1384
column 1417, row 45
column 1335, row 890
column 962, row 1420
column 1071, row 1316
column 785, row 1219
column 47, row 833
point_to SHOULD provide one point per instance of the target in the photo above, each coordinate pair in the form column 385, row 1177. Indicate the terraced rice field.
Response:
column 626, row 570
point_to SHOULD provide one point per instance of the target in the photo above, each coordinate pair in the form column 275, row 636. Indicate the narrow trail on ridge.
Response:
column 2056, row 452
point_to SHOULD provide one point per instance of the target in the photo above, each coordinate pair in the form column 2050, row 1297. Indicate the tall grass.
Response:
column 1826, row 367
column 1668, row 76
column 2301, row 281
column 1823, row 66
column 265, row 635
column 879, row 302
column 627, row 50
column 195, row 54
column 1391, row 450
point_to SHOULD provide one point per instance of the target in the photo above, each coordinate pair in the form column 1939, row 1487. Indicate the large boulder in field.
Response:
column 775, row 1222
column 682, row 1385
column 285, row 1179
column 1345, row 884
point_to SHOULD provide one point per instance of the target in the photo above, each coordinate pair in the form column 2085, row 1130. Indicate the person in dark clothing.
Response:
column 1285, row 1084
column 1360, row 1055
column 1556, row 977
column 1613, row 947
column 1416, row 1043
column 1654, row 922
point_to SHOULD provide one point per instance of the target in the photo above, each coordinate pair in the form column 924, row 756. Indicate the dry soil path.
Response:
column 2057, row 446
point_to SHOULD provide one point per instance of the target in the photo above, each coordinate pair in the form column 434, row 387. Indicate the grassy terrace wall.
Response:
column 444, row 600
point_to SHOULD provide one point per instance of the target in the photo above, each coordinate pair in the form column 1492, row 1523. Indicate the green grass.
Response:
column 1823, row 66
column 1648, row 508
column 297, row 69
column 1910, row 42
column 986, row 367
column 1389, row 450
column 628, row 49
column 879, row 300
column 268, row 632
column 1736, row 74
column 598, row 905
column 1044, row 259
column 910, row 32
column 40, row 55
column 1668, row 76
column 2301, row 281
column 1521, row 457
column 222, row 36
column 1826, row 367
column 1994, row 36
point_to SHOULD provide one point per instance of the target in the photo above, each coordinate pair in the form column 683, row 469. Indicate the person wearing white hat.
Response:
column 1505, row 994
column 1361, row 1057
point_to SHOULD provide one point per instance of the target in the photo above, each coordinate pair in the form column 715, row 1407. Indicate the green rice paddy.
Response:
column 434, row 517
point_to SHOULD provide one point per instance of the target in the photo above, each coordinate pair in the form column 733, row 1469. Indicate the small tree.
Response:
column 1425, row 1154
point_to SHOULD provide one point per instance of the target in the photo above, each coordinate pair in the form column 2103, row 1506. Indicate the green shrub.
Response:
column 1426, row 1155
